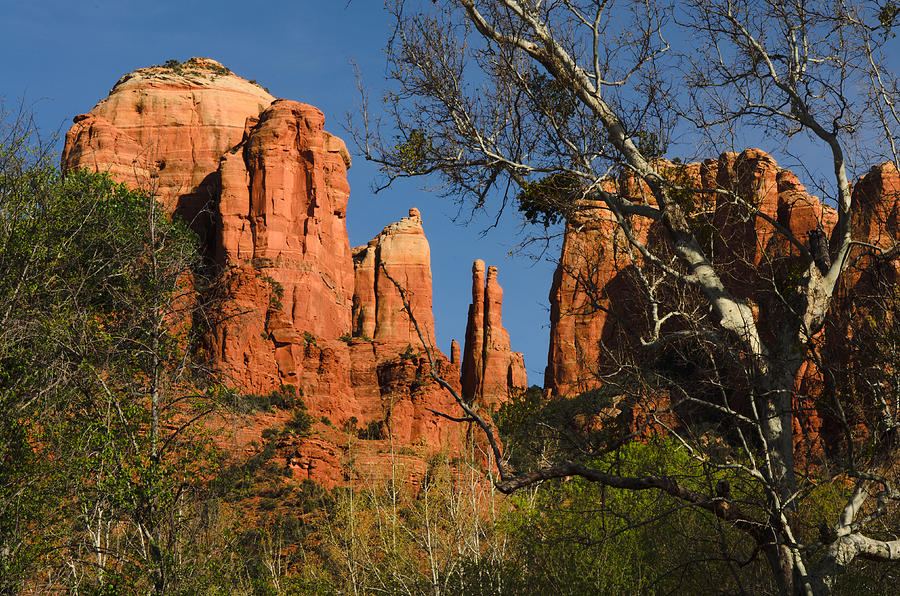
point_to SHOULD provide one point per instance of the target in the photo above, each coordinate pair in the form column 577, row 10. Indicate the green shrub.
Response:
column 300, row 423
column 374, row 431
column 408, row 353
column 350, row 426
column 284, row 398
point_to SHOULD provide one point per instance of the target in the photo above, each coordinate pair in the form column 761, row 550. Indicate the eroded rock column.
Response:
column 491, row 371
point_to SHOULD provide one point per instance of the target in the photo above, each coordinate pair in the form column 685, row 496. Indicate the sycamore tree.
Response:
column 545, row 102
column 100, row 389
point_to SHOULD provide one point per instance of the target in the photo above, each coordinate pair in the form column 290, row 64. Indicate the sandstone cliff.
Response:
column 164, row 128
column 283, row 242
column 598, row 308
column 389, row 365
column 594, row 299
column 266, row 187
column 399, row 255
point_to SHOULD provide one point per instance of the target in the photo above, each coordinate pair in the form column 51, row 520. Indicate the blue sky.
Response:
column 63, row 57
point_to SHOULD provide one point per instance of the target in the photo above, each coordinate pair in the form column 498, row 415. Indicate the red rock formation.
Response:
column 398, row 255
column 473, row 357
column 297, row 309
column 593, row 279
column 876, row 215
column 284, row 243
column 454, row 353
column 589, row 262
column 592, row 282
column 164, row 129
column 388, row 361
column 860, row 338
column 490, row 369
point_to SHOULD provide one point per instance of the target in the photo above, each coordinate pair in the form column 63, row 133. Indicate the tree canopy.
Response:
column 549, row 103
column 98, row 380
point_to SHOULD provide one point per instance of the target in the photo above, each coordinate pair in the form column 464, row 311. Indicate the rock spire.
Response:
column 491, row 371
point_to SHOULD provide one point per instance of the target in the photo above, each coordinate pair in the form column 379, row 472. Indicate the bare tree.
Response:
column 547, row 101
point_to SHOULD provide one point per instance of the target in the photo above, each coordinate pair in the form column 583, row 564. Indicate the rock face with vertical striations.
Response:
column 599, row 308
column 284, row 246
column 473, row 357
column 399, row 255
column 163, row 129
column 865, row 303
column 266, row 187
column 388, row 360
column 491, row 371
column 595, row 298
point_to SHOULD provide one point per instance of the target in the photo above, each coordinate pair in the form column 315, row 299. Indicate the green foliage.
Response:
column 276, row 293
column 651, row 144
column 217, row 69
column 284, row 399
column 887, row 17
column 301, row 422
column 545, row 201
column 309, row 339
column 350, row 427
column 413, row 153
column 346, row 338
column 374, row 431
column 419, row 381
column 550, row 97
column 565, row 537
column 577, row 537
column 193, row 66
column 534, row 429
column 95, row 283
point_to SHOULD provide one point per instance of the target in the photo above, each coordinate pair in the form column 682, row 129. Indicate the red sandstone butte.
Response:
column 283, row 243
column 266, row 186
column 592, row 278
column 491, row 371
column 389, row 366
column 163, row 130
column 863, row 304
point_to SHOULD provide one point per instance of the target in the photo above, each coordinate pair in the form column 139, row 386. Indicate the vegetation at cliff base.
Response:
column 100, row 465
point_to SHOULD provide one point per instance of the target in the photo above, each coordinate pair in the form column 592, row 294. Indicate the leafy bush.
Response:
column 349, row 427
column 301, row 422
column 309, row 339
column 374, row 431
column 284, row 399
column 534, row 428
